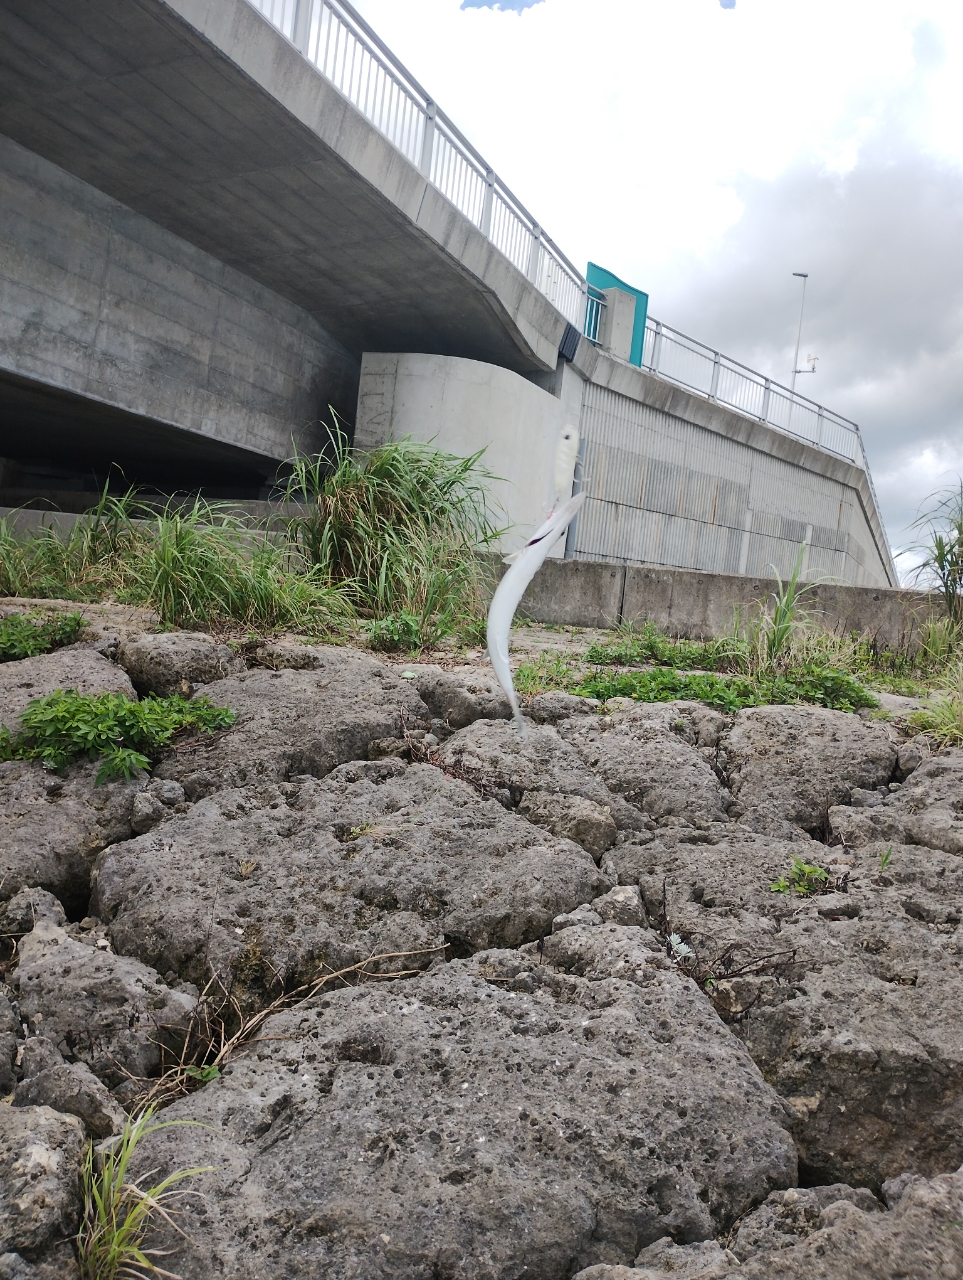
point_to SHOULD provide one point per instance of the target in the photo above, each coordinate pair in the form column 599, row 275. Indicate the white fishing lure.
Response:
column 511, row 589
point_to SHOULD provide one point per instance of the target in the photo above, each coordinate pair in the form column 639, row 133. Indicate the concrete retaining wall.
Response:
column 463, row 406
column 699, row 606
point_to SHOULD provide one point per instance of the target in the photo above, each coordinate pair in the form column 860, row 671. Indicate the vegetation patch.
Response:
column 125, row 736
column 816, row 685
column 27, row 636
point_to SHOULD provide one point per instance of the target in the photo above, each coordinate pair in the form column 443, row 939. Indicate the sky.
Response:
column 704, row 150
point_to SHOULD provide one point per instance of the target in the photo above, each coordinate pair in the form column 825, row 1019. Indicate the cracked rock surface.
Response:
column 642, row 973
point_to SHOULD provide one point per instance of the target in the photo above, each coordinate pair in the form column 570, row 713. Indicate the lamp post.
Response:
column 804, row 276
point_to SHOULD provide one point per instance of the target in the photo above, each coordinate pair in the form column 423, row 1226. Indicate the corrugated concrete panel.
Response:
column 666, row 489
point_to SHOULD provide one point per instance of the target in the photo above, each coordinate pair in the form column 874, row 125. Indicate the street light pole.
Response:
column 804, row 276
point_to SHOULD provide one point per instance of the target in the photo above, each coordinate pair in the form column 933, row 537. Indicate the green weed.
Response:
column 26, row 636
column 546, row 672
column 125, row 736
column 819, row 686
column 118, row 1210
column 802, row 879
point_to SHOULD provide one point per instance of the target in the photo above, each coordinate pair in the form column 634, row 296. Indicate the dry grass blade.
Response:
column 210, row 1042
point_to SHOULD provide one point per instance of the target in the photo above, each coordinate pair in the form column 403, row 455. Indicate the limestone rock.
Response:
column 925, row 810
column 40, row 1153
column 786, row 1217
column 72, row 1089
column 621, row 905
column 537, row 772
column 52, row 828
column 555, row 706
column 176, row 661
column 293, row 722
column 849, row 1001
column 461, row 697
column 108, row 1011
column 787, row 766
column 377, row 858
column 660, row 757
column 448, row 1126
column 81, row 669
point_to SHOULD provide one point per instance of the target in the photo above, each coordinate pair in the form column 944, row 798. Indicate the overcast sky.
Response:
column 706, row 149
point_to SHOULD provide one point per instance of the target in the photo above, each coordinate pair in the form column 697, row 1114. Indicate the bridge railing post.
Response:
column 535, row 259
column 301, row 32
column 714, row 384
column 428, row 142
column 486, row 216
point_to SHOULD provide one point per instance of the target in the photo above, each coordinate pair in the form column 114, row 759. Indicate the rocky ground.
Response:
column 575, row 1032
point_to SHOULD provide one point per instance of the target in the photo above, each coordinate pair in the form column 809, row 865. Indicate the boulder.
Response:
column 787, row 766
column 460, row 697
column 377, row 858
column 544, row 776
column 72, row 1089
column 924, row 810
column 176, row 661
column 52, row 827
column 79, row 668
column 40, row 1155
column 555, row 706
column 824, row 1234
column 848, row 1000
column 492, row 1117
column 292, row 722
column 108, row 1011
column 659, row 756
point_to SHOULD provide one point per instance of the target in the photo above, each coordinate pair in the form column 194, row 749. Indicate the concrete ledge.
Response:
column 699, row 606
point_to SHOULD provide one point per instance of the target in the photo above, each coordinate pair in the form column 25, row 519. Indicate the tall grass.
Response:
column 393, row 536
column 194, row 564
column 941, row 547
column 401, row 527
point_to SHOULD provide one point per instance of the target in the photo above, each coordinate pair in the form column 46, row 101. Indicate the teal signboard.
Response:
column 599, row 278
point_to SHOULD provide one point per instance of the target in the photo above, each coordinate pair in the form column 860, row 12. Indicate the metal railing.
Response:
column 333, row 36
column 678, row 358
column 593, row 327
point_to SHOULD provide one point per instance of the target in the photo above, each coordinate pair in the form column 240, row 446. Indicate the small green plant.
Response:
column 941, row 545
column 119, row 1210
column 802, row 879
column 885, row 858
column 25, row 636
column 125, row 736
column 547, row 671
column 942, row 719
column 395, row 632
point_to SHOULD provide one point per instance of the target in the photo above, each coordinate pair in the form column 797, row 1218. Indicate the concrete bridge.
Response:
column 211, row 229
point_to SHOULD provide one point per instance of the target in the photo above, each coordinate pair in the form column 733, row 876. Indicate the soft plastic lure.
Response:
column 511, row 589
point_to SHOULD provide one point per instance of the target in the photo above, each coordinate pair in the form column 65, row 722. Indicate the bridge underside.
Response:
column 55, row 442
column 265, row 166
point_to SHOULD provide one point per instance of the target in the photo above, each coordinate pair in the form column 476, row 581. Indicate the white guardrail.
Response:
column 333, row 36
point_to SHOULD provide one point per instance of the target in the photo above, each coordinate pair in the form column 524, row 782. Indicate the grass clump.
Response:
column 125, row 736
column 26, row 636
column 401, row 528
column 119, row 1210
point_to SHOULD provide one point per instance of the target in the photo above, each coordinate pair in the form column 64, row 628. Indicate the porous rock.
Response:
column 377, row 858
column 72, row 1089
column 786, row 1217
column 40, row 1153
column 925, row 810
column 80, row 669
column 450, row 1126
column 919, row 1239
column 848, row 1000
column 787, row 766
column 108, row 1011
column 541, row 774
column 176, row 661
column 52, row 827
column 461, row 697
column 555, row 706
column 292, row 722
column 660, row 757
column 10, row 1033
column 59, row 1264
